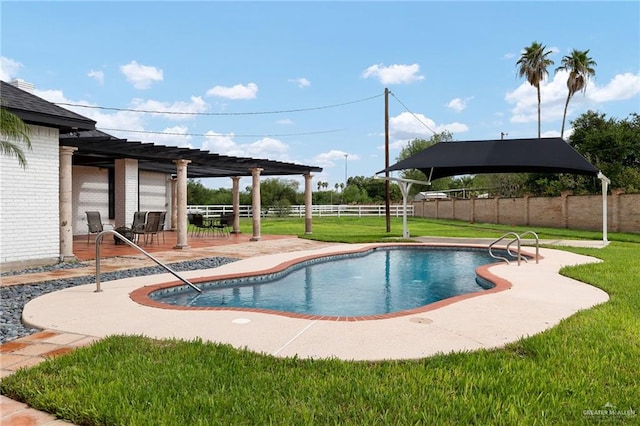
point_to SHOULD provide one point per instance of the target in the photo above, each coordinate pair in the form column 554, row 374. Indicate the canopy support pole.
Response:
column 405, row 186
column 605, row 184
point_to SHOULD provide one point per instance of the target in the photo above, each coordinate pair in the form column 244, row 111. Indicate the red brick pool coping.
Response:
column 141, row 295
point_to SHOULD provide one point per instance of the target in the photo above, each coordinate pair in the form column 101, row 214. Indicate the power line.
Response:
column 216, row 113
column 221, row 135
column 414, row 116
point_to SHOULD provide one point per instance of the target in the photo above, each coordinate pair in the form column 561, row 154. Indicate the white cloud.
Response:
column 622, row 86
column 236, row 92
column 394, row 74
column 8, row 68
column 300, row 82
column 141, row 76
column 458, row 104
column 406, row 126
column 195, row 106
column 270, row 148
column 550, row 134
column 97, row 75
column 328, row 159
column 173, row 136
column 219, row 143
column 117, row 120
column 285, row 121
column 553, row 95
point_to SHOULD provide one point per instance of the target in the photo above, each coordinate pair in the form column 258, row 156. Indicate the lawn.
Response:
column 585, row 370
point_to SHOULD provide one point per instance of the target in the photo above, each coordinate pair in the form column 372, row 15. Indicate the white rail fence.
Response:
column 298, row 210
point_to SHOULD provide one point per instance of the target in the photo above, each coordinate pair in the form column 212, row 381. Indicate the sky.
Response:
column 304, row 82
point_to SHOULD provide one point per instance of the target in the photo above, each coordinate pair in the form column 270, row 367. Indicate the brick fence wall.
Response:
column 566, row 211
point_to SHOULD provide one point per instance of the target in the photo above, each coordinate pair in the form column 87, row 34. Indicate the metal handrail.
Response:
column 135, row 246
column 516, row 238
column 537, row 244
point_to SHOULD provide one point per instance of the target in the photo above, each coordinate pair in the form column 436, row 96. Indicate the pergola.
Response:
column 98, row 149
column 544, row 155
column 81, row 143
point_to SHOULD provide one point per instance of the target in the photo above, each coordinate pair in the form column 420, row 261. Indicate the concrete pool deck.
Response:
column 538, row 298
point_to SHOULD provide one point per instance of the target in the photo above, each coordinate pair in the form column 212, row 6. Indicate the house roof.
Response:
column 545, row 155
column 33, row 109
column 99, row 149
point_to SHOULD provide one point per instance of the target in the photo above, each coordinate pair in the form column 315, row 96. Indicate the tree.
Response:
column 279, row 194
column 580, row 67
column 14, row 131
column 413, row 148
column 533, row 65
column 612, row 145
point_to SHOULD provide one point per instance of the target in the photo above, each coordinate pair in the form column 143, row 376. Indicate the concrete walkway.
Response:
column 537, row 299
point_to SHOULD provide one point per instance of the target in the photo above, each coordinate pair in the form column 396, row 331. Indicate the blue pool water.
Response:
column 379, row 281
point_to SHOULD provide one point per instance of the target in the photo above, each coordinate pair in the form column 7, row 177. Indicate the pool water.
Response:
column 380, row 281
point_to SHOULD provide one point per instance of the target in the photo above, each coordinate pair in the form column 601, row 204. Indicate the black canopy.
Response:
column 546, row 155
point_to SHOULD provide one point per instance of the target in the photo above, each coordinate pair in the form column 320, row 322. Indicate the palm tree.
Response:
column 580, row 67
column 13, row 131
column 533, row 64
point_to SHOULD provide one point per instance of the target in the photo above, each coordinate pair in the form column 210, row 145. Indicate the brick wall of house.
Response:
column 90, row 193
column 155, row 193
column 29, row 224
column 567, row 211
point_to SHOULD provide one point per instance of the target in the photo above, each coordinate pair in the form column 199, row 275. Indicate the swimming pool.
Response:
column 378, row 281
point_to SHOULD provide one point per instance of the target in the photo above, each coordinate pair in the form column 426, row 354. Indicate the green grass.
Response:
column 587, row 361
column 373, row 229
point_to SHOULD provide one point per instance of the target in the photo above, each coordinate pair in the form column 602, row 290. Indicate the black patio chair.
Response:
column 224, row 224
column 198, row 225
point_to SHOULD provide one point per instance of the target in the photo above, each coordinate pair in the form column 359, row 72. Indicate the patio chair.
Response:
column 94, row 223
column 224, row 224
column 152, row 226
column 163, row 216
column 196, row 221
column 138, row 225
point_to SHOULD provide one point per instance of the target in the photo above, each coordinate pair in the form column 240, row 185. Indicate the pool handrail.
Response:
column 535, row 236
column 135, row 246
column 517, row 238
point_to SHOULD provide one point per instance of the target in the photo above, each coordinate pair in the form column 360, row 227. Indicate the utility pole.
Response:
column 387, row 187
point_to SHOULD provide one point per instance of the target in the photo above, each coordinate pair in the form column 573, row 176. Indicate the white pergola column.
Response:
column 308, row 191
column 126, row 190
column 65, row 205
column 255, row 203
column 174, row 202
column 181, row 204
column 235, row 191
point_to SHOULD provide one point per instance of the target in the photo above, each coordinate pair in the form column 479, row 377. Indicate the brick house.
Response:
column 73, row 167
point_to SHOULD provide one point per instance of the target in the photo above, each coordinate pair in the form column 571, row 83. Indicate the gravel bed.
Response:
column 13, row 298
